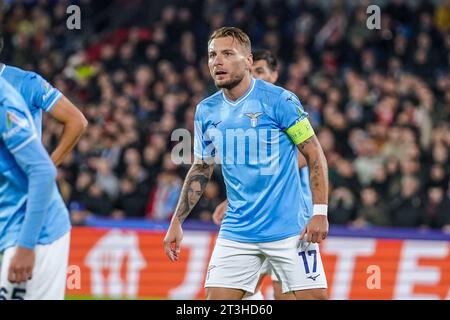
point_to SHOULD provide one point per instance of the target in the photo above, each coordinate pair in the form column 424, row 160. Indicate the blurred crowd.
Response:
column 379, row 100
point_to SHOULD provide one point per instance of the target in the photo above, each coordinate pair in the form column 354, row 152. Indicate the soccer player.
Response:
column 40, row 95
column 263, row 183
column 265, row 68
column 34, row 222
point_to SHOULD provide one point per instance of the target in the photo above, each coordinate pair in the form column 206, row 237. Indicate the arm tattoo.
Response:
column 318, row 169
column 304, row 144
column 193, row 187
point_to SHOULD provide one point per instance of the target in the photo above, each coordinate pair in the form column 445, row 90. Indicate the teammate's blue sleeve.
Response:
column 19, row 136
column 292, row 118
column 203, row 147
column 43, row 94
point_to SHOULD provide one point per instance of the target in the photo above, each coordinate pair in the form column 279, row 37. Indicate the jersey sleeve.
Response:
column 203, row 146
column 292, row 118
column 20, row 138
column 43, row 94
column 17, row 128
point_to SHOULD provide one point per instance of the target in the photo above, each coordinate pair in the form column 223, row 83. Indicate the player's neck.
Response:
column 238, row 91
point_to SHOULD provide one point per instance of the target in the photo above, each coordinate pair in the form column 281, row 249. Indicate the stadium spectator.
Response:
column 379, row 100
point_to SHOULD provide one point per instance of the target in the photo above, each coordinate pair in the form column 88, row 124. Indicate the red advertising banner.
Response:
column 130, row 264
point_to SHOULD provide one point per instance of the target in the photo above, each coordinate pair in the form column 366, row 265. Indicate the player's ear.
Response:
column 274, row 76
column 249, row 59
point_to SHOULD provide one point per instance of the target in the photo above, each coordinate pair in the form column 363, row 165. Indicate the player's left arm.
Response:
column 294, row 121
column 18, row 134
column 65, row 112
column 46, row 97
column 317, row 228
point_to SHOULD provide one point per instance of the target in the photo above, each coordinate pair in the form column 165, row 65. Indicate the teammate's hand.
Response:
column 316, row 230
column 219, row 213
column 21, row 266
column 172, row 240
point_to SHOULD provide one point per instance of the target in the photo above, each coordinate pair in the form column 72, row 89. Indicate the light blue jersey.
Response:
column 249, row 137
column 37, row 92
column 31, row 208
column 306, row 195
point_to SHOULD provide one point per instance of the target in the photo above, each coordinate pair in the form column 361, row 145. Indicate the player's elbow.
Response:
column 78, row 124
column 82, row 123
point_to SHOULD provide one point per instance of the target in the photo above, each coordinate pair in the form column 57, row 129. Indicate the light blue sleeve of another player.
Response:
column 43, row 95
column 289, row 110
column 203, row 147
column 19, row 136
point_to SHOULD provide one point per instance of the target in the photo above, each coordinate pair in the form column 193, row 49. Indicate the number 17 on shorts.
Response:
column 311, row 265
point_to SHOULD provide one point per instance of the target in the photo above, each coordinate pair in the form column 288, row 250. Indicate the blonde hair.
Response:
column 233, row 32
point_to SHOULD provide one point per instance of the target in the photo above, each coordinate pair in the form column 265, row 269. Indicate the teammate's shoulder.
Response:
column 9, row 97
column 33, row 76
column 14, row 70
column 21, row 73
column 6, row 90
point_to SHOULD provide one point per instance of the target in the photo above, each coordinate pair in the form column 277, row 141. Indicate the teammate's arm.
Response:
column 200, row 171
column 46, row 97
column 41, row 174
column 20, row 138
column 74, row 125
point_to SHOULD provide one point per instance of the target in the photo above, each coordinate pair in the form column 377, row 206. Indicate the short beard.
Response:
column 230, row 84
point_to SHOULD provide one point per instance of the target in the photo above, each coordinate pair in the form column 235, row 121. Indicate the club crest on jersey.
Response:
column 253, row 118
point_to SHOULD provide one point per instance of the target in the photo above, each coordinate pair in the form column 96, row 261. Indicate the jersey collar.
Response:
column 2, row 68
column 249, row 90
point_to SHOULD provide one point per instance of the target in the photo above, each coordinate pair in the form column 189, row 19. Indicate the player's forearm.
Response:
column 70, row 136
column 318, row 169
column 200, row 172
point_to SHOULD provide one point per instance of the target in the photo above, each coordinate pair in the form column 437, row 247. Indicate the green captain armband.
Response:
column 301, row 131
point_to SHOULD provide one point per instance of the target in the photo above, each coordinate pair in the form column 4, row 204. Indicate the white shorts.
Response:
column 266, row 269
column 238, row 265
column 49, row 273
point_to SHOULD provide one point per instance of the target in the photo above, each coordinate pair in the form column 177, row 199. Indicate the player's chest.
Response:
column 251, row 115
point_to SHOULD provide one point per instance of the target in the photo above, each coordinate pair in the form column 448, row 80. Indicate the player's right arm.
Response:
column 200, row 171
column 194, row 185
column 219, row 212
column 20, row 138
